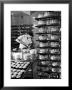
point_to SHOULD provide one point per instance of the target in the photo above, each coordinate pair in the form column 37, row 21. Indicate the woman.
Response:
column 26, row 42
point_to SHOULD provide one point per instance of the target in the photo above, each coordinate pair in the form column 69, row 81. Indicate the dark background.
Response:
column 2, row 41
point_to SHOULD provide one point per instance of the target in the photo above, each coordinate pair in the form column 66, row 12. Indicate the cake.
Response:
column 42, row 37
column 55, row 64
column 54, row 37
column 40, row 15
column 43, row 44
column 54, row 51
column 41, row 22
column 55, row 57
column 54, row 29
column 55, row 69
column 43, row 57
column 46, row 14
column 41, row 30
column 54, row 44
column 48, row 22
column 43, row 50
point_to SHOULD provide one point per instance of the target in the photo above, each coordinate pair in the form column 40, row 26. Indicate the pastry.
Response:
column 42, row 37
column 43, row 50
column 43, row 57
column 42, row 30
column 55, row 69
column 53, row 57
column 55, row 29
column 55, row 37
column 54, row 44
column 48, row 22
column 40, row 15
column 57, row 51
column 46, row 14
column 55, row 64
column 41, row 22
column 43, row 44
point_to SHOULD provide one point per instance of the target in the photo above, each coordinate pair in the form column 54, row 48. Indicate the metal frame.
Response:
column 2, row 2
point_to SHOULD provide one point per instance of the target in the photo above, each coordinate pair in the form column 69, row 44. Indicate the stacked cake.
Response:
column 49, row 48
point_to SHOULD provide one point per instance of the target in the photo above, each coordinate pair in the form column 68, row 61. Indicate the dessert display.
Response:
column 42, row 37
column 54, row 44
column 42, row 30
column 41, row 57
column 55, row 51
column 55, row 75
column 48, row 36
column 46, row 14
column 43, row 50
column 55, row 69
column 55, row 29
column 49, row 51
column 55, row 63
column 43, row 44
column 55, row 57
column 41, row 23
column 40, row 15
column 55, row 37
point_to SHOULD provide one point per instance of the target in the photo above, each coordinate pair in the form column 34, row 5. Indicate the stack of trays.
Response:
column 17, row 68
column 15, row 73
column 49, row 53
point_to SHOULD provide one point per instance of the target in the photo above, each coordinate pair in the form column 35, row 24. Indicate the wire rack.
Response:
column 49, row 55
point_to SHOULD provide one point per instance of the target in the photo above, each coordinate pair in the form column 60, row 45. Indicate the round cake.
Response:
column 43, row 44
column 46, row 14
column 41, row 22
column 40, row 15
column 54, row 44
column 41, row 30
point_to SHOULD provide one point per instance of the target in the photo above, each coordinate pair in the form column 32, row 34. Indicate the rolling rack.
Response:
column 20, row 69
column 48, row 64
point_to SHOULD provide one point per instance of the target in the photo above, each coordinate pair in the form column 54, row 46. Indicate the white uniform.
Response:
column 26, row 39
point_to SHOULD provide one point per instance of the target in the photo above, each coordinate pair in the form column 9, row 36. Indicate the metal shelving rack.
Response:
column 45, row 71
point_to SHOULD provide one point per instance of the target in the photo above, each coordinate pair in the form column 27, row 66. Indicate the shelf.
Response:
column 47, row 71
column 48, row 18
column 25, row 25
column 39, row 60
column 49, row 47
column 49, row 54
column 21, row 29
column 14, row 29
column 48, row 59
column 44, row 25
column 53, row 33
column 48, row 40
column 50, row 75
column 48, row 66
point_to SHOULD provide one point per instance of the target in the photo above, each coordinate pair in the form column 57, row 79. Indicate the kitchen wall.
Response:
column 20, row 17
